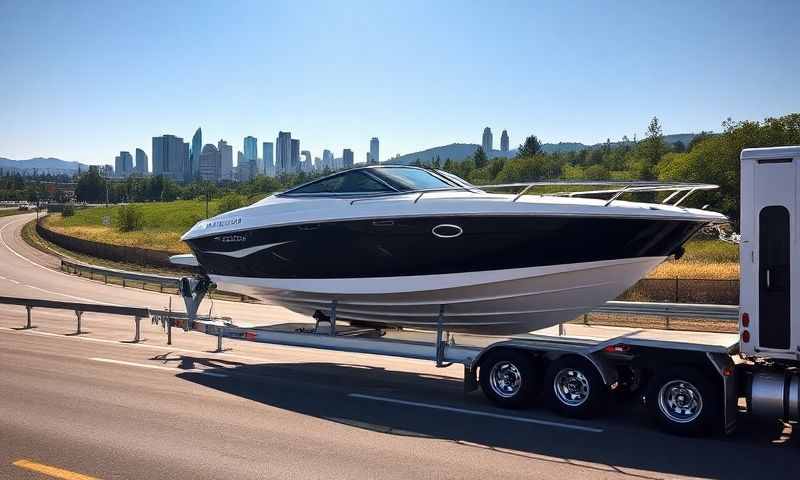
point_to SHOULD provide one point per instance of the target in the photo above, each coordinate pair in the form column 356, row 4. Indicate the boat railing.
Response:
column 680, row 191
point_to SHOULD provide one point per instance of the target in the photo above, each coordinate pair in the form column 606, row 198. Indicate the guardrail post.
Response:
column 137, row 336
column 105, row 277
column 586, row 319
column 28, row 308
column 123, row 282
column 78, row 314
column 161, row 286
column 667, row 317
column 220, row 332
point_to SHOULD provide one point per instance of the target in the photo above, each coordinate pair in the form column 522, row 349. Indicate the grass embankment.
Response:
column 162, row 224
column 704, row 259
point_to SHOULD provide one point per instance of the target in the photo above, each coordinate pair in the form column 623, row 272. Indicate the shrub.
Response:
column 229, row 202
column 129, row 218
column 68, row 210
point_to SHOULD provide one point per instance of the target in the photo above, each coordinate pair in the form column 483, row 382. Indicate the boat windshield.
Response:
column 346, row 182
column 411, row 178
column 377, row 180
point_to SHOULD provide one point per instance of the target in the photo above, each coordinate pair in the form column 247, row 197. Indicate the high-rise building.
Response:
column 317, row 163
column 210, row 164
column 226, row 160
column 269, row 160
column 283, row 152
column 123, row 164
column 327, row 160
column 294, row 166
column 487, row 142
column 347, row 158
column 251, row 155
column 170, row 155
column 306, row 166
column 242, row 168
column 141, row 162
column 194, row 156
column 504, row 142
column 250, row 149
column 374, row 151
column 107, row 171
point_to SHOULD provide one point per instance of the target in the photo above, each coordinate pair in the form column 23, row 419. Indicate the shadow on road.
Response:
column 321, row 390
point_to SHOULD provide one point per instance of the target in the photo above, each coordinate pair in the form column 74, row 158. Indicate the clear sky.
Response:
column 84, row 80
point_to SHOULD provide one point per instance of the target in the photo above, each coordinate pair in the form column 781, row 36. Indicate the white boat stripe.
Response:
column 249, row 251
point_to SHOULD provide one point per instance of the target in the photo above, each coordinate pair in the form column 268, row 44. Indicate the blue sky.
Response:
column 83, row 80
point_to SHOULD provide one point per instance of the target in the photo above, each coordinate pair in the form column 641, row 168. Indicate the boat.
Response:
column 413, row 247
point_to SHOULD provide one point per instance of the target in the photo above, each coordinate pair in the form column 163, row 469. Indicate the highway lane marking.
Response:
column 158, row 367
column 177, row 349
column 5, row 244
column 51, row 471
column 476, row 412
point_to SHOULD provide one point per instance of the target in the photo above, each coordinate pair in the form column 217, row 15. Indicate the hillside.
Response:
column 460, row 151
column 42, row 166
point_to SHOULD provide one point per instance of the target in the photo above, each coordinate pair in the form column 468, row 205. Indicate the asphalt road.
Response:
column 97, row 405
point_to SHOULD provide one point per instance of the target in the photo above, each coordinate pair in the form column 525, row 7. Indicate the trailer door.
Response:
column 775, row 205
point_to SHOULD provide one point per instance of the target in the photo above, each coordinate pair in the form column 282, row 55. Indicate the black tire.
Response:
column 574, row 388
column 508, row 367
column 683, row 402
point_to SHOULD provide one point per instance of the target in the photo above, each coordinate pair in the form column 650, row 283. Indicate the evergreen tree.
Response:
column 480, row 158
column 531, row 147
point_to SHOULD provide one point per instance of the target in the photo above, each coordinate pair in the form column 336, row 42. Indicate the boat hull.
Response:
column 487, row 302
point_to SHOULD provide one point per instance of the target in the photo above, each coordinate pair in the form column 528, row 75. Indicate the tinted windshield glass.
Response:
column 410, row 178
column 348, row 182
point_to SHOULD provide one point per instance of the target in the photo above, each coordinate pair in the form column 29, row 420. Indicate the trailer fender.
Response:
column 550, row 352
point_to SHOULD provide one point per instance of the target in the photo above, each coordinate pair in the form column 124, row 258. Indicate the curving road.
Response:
column 99, row 406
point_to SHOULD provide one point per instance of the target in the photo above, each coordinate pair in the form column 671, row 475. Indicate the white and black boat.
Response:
column 400, row 245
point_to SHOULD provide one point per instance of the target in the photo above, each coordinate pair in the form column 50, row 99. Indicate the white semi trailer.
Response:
column 691, row 382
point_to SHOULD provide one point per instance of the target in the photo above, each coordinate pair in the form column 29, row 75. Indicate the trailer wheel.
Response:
column 508, row 378
column 682, row 401
column 575, row 388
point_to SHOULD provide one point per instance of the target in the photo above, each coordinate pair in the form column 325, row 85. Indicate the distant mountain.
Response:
column 460, row 151
column 52, row 166
column 454, row 151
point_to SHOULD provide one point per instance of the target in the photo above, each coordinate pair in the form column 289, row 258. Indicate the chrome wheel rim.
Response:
column 680, row 401
column 505, row 379
column 571, row 387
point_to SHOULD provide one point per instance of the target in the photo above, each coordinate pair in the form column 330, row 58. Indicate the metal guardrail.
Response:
column 685, row 310
column 80, row 308
column 106, row 273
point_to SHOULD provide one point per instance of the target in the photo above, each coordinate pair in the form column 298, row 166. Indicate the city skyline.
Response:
column 69, row 100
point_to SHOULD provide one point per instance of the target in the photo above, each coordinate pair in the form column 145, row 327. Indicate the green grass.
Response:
column 163, row 224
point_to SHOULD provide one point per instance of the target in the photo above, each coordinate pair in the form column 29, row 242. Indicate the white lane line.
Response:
column 82, row 299
column 476, row 412
column 139, row 345
column 157, row 367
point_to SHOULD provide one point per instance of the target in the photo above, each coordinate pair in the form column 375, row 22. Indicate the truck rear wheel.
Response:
column 682, row 401
column 575, row 388
column 508, row 378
